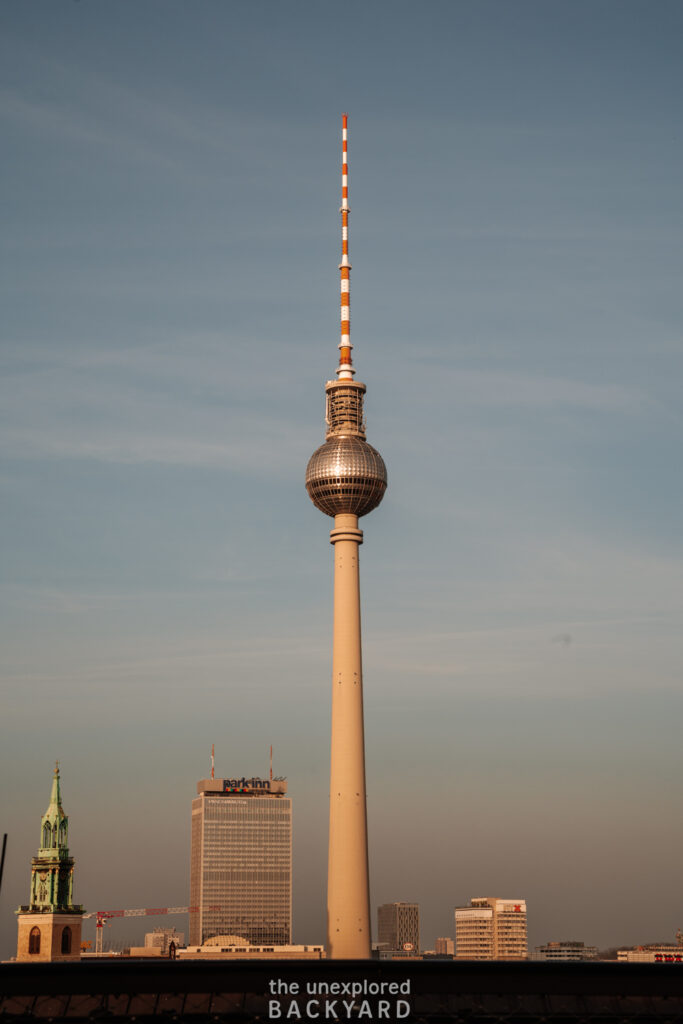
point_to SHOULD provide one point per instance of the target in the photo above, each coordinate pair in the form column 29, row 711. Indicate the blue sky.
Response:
column 170, row 299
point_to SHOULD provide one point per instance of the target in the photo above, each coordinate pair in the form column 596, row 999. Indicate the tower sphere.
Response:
column 346, row 475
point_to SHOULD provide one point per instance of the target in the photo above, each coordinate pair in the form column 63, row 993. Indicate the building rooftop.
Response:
column 243, row 787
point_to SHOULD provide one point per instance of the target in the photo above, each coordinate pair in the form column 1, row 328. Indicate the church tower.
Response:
column 50, row 926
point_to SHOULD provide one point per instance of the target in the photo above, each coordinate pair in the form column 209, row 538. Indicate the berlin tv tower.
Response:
column 346, row 478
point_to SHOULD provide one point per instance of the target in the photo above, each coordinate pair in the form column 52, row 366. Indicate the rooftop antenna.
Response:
column 212, row 761
column 345, row 370
column 271, row 762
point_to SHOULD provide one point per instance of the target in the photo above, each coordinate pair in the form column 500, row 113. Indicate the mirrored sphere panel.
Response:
column 346, row 475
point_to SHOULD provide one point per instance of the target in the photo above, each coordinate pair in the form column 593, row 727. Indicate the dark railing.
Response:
column 430, row 992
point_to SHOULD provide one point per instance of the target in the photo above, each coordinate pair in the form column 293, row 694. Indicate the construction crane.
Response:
column 103, row 915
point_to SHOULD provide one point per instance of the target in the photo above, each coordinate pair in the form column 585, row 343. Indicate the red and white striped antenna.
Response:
column 345, row 370
column 212, row 760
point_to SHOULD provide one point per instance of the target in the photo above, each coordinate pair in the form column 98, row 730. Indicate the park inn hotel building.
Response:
column 241, row 861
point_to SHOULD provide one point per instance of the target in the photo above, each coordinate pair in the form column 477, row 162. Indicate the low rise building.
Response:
column 233, row 947
column 161, row 938
column 564, row 951
column 653, row 953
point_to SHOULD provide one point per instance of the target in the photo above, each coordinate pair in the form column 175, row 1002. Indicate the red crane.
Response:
column 103, row 915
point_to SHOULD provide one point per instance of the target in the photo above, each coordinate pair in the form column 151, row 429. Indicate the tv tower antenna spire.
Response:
column 346, row 478
column 345, row 370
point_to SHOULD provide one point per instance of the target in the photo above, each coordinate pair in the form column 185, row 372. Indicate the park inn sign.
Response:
column 244, row 785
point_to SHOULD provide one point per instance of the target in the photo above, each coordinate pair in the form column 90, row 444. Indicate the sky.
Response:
column 171, row 186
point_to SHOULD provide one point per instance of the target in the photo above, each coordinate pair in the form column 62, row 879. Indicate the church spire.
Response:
column 54, row 825
column 55, row 795
column 50, row 924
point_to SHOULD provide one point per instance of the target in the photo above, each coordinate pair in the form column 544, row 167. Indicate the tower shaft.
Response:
column 346, row 478
column 348, row 894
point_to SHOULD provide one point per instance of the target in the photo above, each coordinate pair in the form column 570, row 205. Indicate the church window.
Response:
column 54, row 835
column 47, row 834
column 66, row 940
column 62, row 834
column 34, row 940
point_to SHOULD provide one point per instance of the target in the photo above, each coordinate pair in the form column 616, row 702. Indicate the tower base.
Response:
column 49, row 937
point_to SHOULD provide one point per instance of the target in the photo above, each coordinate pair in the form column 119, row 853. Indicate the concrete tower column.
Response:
column 348, row 895
column 346, row 478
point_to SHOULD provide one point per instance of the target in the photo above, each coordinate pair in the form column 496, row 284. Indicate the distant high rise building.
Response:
column 562, row 951
column 241, row 861
column 50, row 925
column 491, row 929
column 398, row 926
column 444, row 947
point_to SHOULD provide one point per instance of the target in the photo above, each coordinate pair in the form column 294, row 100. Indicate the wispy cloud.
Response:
column 52, row 118
column 195, row 141
column 173, row 405
column 266, row 450
column 537, row 391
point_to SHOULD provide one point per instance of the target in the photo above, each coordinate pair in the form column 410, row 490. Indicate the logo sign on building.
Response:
column 245, row 785
column 408, row 946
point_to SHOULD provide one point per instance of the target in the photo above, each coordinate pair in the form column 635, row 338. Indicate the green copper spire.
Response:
column 55, row 795
column 50, row 923
column 54, row 825
column 52, row 867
